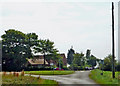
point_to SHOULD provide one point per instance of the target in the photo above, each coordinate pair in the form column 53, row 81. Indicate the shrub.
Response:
column 65, row 67
column 80, row 67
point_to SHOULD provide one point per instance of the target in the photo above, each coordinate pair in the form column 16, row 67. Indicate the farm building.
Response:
column 38, row 60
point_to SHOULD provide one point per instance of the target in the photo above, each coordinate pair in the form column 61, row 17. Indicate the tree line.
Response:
column 81, row 61
column 17, row 47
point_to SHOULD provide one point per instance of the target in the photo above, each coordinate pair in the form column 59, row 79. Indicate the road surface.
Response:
column 79, row 78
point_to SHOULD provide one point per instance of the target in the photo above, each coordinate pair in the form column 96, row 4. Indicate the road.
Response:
column 79, row 78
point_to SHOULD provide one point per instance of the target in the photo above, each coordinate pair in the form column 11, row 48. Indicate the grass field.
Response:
column 106, row 78
column 56, row 72
column 25, row 80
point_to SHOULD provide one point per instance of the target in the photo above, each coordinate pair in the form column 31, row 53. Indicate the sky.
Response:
column 83, row 25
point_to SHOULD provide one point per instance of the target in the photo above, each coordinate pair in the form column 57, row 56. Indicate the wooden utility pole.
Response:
column 113, row 45
column 0, row 61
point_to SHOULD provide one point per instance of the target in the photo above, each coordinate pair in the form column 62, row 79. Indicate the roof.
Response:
column 37, row 61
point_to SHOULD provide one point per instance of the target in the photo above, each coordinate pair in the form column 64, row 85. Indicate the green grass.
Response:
column 56, row 72
column 106, row 78
column 10, row 79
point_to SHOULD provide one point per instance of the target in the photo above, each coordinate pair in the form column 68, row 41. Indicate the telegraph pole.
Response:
column 113, row 45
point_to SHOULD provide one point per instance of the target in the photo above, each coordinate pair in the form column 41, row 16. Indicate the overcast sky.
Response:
column 83, row 25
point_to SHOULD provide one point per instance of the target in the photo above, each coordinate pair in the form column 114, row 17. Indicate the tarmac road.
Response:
column 79, row 78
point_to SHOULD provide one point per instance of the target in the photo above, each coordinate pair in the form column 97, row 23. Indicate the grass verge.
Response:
column 11, row 80
column 106, row 78
column 56, row 72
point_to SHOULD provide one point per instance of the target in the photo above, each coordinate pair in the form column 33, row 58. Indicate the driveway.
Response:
column 79, row 78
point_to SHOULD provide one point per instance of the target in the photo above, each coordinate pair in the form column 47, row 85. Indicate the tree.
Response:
column 32, row 38
column 32, row 41
column 45, row 47
column 118, row 66
column 70, row 54
column 60, row 62
column 55, row 57
column 88, row 54
column 108, row 63
column 15, row 49
column 92, row 61
column 78, row 61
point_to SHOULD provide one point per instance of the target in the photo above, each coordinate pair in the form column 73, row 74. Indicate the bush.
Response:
column 36, row 68
column 118, row 67
column 80, row 68
column 65, row 67
column 76, row 67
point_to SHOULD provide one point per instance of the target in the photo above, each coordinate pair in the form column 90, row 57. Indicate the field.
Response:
column 25, row 80
column 56, row 72
column 106, row 78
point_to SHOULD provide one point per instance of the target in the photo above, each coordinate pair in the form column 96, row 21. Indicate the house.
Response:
column 35, row 62
column 64, row 59
column 38, row 60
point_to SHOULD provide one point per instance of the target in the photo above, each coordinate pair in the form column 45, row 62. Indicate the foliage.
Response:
column 26, row 80
column 46, row 47
column 70, row 54
column 88, row 54
column 32, row 41
column 92, row 61
column 106, row 78
column 108, row 63
column 55, row 72
column 118, row 67
column 15, row 49
column 60, row 63
column 78, row 61
column 18, row 47
column 65, row 67
column 38, row 68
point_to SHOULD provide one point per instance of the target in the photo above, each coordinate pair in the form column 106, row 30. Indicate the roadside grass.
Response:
column 56, row 72
column 12, row 80
column 106, row 78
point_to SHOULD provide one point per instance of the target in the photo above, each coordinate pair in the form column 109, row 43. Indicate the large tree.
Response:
column 108, row 63
column 32, row 39
column 15, row 49
column 70, row 54
column 46, row 47
column 92, row 61
column 79, row 59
